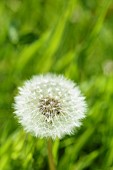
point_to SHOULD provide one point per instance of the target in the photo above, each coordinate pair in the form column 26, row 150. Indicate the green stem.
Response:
column 50, row 155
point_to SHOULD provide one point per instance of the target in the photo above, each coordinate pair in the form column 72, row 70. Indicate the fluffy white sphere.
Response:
column 50, row 106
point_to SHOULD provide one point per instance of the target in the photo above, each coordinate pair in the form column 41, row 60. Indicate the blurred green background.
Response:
column 69, row 37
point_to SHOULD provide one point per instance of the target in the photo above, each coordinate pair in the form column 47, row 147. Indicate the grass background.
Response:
column 74, row 38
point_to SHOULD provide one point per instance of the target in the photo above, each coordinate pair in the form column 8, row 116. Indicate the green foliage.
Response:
column 74, row 38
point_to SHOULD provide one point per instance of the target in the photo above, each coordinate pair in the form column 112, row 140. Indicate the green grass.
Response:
column 74, row 38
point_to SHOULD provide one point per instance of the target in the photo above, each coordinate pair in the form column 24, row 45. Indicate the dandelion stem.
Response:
column 50, row 155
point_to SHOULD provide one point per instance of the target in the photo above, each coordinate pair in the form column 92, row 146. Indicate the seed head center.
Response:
column 49, row 107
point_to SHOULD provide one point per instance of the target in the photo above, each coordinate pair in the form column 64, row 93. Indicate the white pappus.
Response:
column 50, row 106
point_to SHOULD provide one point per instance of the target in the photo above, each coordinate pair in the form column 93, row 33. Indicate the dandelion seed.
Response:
column 50, row 106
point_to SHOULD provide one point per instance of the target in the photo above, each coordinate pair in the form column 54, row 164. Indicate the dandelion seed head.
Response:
column 50, row 106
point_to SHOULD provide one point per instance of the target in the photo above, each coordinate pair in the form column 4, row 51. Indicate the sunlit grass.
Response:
column 74, row 38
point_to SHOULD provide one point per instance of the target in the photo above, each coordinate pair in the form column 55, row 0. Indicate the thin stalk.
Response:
column 50, row 155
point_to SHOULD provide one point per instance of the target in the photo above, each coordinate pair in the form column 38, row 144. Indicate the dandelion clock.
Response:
column 50, row 106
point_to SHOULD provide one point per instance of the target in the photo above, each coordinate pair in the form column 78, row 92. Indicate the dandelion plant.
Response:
column 50, row 106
